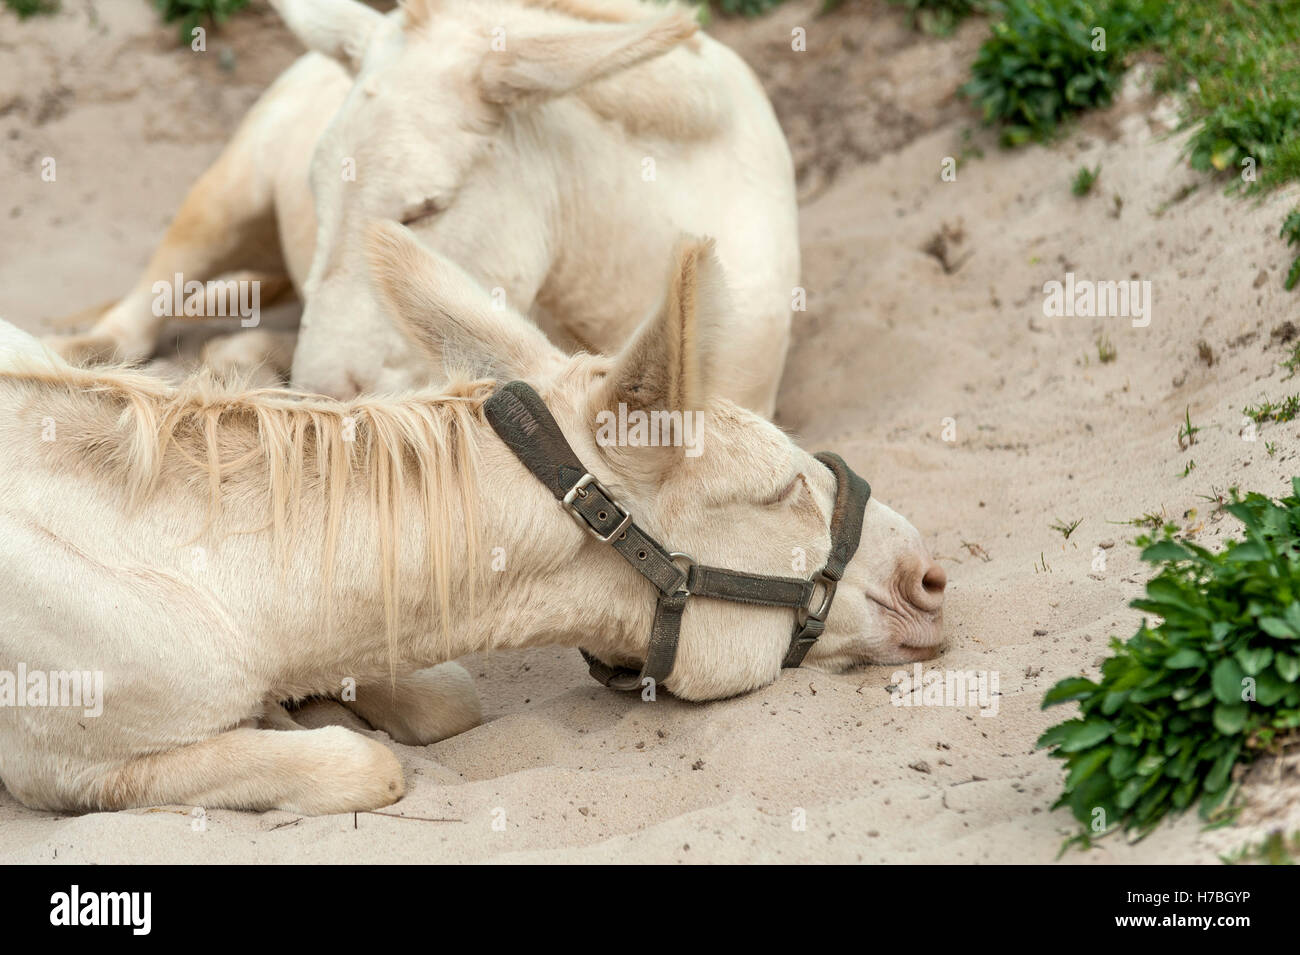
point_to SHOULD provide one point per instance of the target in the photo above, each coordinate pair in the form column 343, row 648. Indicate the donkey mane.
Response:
column 134, row 430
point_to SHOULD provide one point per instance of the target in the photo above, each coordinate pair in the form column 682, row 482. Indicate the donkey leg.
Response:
column 274, row 716
column 258, row 357
column 423, row 707
column 312, row 772
column 227, row 222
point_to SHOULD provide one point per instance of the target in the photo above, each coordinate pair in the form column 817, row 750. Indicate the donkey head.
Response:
column 733, row 492
column 425, row 136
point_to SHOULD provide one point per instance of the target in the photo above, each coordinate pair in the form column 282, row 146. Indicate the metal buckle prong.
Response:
column 579, row 490
column 806, row 613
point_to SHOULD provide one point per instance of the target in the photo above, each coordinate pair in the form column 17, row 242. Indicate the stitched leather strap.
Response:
column 748, row 588
column 851, row 496
column 518, row 414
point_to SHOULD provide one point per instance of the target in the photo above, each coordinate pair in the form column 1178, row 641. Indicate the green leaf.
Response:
column 1246, row 553
column 1185, row 659
column 1122, row 761
column 1218, row 775
column 1072, row 688
column 1164, row 550
column 1226, row 678
column 1149, row 764
column 1287, row 666
column 1230, row 718
column 1270, row 688
column 1082, row 734
column 1254, row 660
column 1111, row 703
column 1087, row 764
column 1277, row 627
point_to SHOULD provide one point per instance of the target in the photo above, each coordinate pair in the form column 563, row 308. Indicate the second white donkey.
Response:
column 549, row 147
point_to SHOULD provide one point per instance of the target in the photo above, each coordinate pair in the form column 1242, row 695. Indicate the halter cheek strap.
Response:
column 520, row 417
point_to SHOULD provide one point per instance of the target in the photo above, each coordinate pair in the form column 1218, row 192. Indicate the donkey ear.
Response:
column 669, row 363
column 553, row 64
column 341, row 29
column 447, row 315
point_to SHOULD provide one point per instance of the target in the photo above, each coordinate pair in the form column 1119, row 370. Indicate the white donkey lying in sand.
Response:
column 352, row 541
column 549, row 154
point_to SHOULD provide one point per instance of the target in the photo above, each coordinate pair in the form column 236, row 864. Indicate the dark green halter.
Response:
column 518, row 414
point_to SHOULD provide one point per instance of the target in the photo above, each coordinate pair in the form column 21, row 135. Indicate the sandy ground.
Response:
column 901, row 333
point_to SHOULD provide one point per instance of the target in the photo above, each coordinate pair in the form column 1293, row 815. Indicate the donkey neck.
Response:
column 533, row 579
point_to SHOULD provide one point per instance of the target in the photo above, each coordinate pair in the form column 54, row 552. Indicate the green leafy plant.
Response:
column 1229, row 135
column 1292, row 362
column 1275, row 411
column 1150, row 520
column 937, row 17
column 194, row 13
column 1244, row 106
column 1213, row 684
column 1084, row 180
column 752, row 8
column 1234, row 60
column 28, row 8
column 1064, row 529
column 1044, row 61
column 1291, row 232
column 1276, row 848
column 1187, row 431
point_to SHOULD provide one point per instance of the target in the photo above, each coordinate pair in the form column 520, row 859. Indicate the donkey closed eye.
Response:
column 422, row 210
column 787, row 492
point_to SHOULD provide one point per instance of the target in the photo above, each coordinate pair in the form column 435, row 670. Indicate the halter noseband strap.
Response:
column 520, row 417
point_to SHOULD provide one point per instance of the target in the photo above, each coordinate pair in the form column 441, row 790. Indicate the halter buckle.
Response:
column 806, row 613
column 579, row 490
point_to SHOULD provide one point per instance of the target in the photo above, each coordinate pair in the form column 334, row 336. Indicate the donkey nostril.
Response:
column 934, row 580
column 922, row 584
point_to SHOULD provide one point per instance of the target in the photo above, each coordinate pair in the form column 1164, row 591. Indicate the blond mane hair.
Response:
column 135, row 429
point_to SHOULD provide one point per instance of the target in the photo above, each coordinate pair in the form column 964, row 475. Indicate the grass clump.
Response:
column 1245, row 101
column 1291, row 232
column 1278, row 412
column 1181, row 703
column 1276, row 848
column 1066, row 529
column 29, row 8
column 196, row 13
column 1046, row 60
column 1234, row 59
column 1084, row 180
column 1187, row 431
column 753, row 8
column 938, row 17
